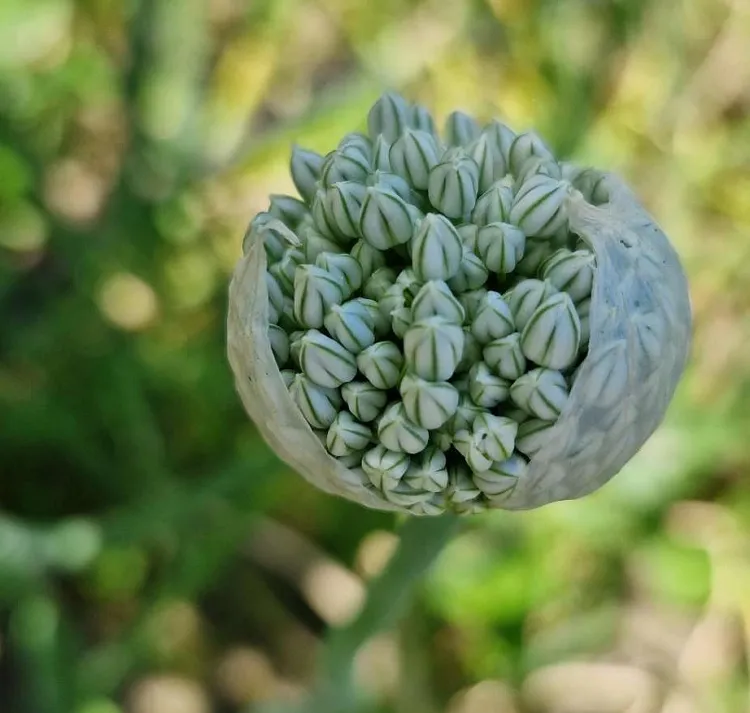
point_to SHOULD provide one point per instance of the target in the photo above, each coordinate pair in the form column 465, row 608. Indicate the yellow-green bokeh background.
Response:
column 154, row 557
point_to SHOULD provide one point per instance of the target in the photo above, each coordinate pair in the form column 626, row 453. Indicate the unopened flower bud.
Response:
column 533, row 435
column 538, row 206
column 364, row 400
column 276, row 237
column 421, row 119
column 453, row 186
column 552, row 336
column 385, row 220
column 275, row 298
column 344, row 205
column 461, row 491
column 344, row 268
column 380, row 154
column 279, row 344
column 502, row 137
column 356, row 142
column 385, row 468
column 461, row 129
column 429, row 404
column 315, row 290
column 379, row 282
column 319, row 405
column 433, row 348
column 316, row 243
column 428, row 471
column 500, row 479
column 436, row 249
column 471, row 301
column 471, row 275
column 500, row 246
column 389, row 116
column 525, row 298
column 467, row 444
column 436, row 298
column 393, row 183
column 368, row 257
column 284, row 269
column 322, row 217
column 571, row 272
column 495, row 436
column 398, row 433
column 352, row 325
column 346, row 164
column 401, row 320
column 288, row 209
column 584, row 308
column 485, row 388
column 536, row 252
column 305, row 167
column 525, row 146
column 494, row 205
column 493, row 319
column 413, row 155
column 325, row 361
column 489, row 160
column 381, row 364
column 537, row 166
column 542, row 393
column 346, row 435
column 295, row 341
column 505, row 356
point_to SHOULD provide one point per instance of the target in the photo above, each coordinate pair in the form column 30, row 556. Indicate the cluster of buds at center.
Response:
column 428, row 304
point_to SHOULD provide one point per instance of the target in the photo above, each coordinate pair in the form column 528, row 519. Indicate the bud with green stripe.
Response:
column 494, row 205
column 344, row 268
column 505, row 356
column 495, row 436
column 352, row 325
column 315, row 291
column 399, row 433
column 571, row 272
column 437, row 249
column 433, row 348
column 325, row 361
column 436, row 298
column 500, row 246
column 319, row 405
column 485, row 388
column 346, row 435
column 453, row 184
column 541, row 392
column 305, row 167
column 364, row 400
column 526, row 297
column 388, row 116
column 385, row 468
column 413, row 155
column 385, row 220
column 493, row 319
column 552, row 335
column 461, row 129
column 381, row 364
column 429, row 404
column 539, row 206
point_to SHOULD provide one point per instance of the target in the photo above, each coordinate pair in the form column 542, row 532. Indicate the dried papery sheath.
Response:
column 413, row 155
column 346, row 435
column 381, row 364
column 364, row 400
column 542, row 393
column 552, row 335
column 305, row 167
column 500, row 246
column 485, row 388
column 461, row 129
column 399, row 433
column 505, row 356
column 429, row 404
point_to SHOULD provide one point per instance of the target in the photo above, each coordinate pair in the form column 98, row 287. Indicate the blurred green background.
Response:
column 154, row 556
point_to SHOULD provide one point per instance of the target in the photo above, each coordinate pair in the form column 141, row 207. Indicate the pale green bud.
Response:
column 571, row 272
column 539, row 206
column 287, row 376
column 428, row 471
column 468, row 234
column 552, row 336
column 421, row 119
column 275, row 298
column 381, row 364
column 502, row 476
column 305, row 167
column 401, row 320
column 356, row 142
column 388, row 116
column 353, row 461
column 393, row 183
column 472, row 353
column 385, row 220
column 461, row 129
column 524, row 147
column 465, row 415
column 467, row 444
column 406, row 496
column 495, row 436
column 429, row 404
column 284, row 269
column 379, row 282
column 436, row 298
column 494, row 205
column 493, row 319
column 500, row 246
column 462, row 491
column 385, row 468
column 489, row 160
column 472, row 273
column 364, row 400
column 325, row 361
column 526, row 297
column 344, row 268
column 344, row 206
column 505, row 356
column 369, row 258
column 536, row 252
column 315, row 243
column 542, row 393
column 502, row 137
column 287, row 320
column 437, row 250
column 433, row 348
column 380, row 154
column 393, row 299
column 276, row 237
column 380, row 324
column 315, row 291
column 295, row 342
column 319, row 405
column 322, row 217
column 279, row 341
column 442, row 438
column 398, row 433
column 591, row 184
column 471, row 301
column 537, row 166
column 344, row 165
column 352, row 325
column 288, row 209
column 486, row 389
column 413, row 155
column 584, row 308
column 533, row 436
column 453, row 186
column 346, row 435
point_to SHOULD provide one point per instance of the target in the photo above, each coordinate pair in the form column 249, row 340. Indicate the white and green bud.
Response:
column 344, row 165
column 539, row 206
column 353, row 461
column 401, row 320
column 288, row 209
column 428, row 471
column 295, row 341
column 352, row 325
column 584, row 308
column 571, row 272
column 344, row 268
column 429, row 404
column 502, row 476
column 399, row 433
column 502, row 138
column 537, row 166
column 364, row 400
column 536, row 252
column 465, row 415
column 325, row 361
column 472, row 353
column 489, row 160
column 541, row 392
column 525, row 146
column 526, row 297
column 461, row 491
column 495, row 436
column 385, row 468
column 368, row 257
column 388, row 116
column 461, row 129
column 552, row 335
column 275, row 298
column 380, row 324
column 453, row 186
column 277, row 238
column 287, row 376
column 437, row 250
column 472, row 273
column 380, row 154
column 322, row 217
column 436, row 298
column 421, row 119
column 346, row 435
column 468, row 445
column 356, row 142
column 305, row 167
column 379, row 282
column 279, row 341
column 405, row 496
column 471, row 301
column 413, row 155
column 494, row 205
column 284, row 269
column 433, row 348
column 533, row 435
column 393, row 183
column 344, row 205
column 394, row 298
column 505, row 356
column 485, row 388
column 500, row 246
column 493, row 319
column 319, row 405
column 316, row 243
column 381, row 364
column 385, row 220
column 315, row 291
